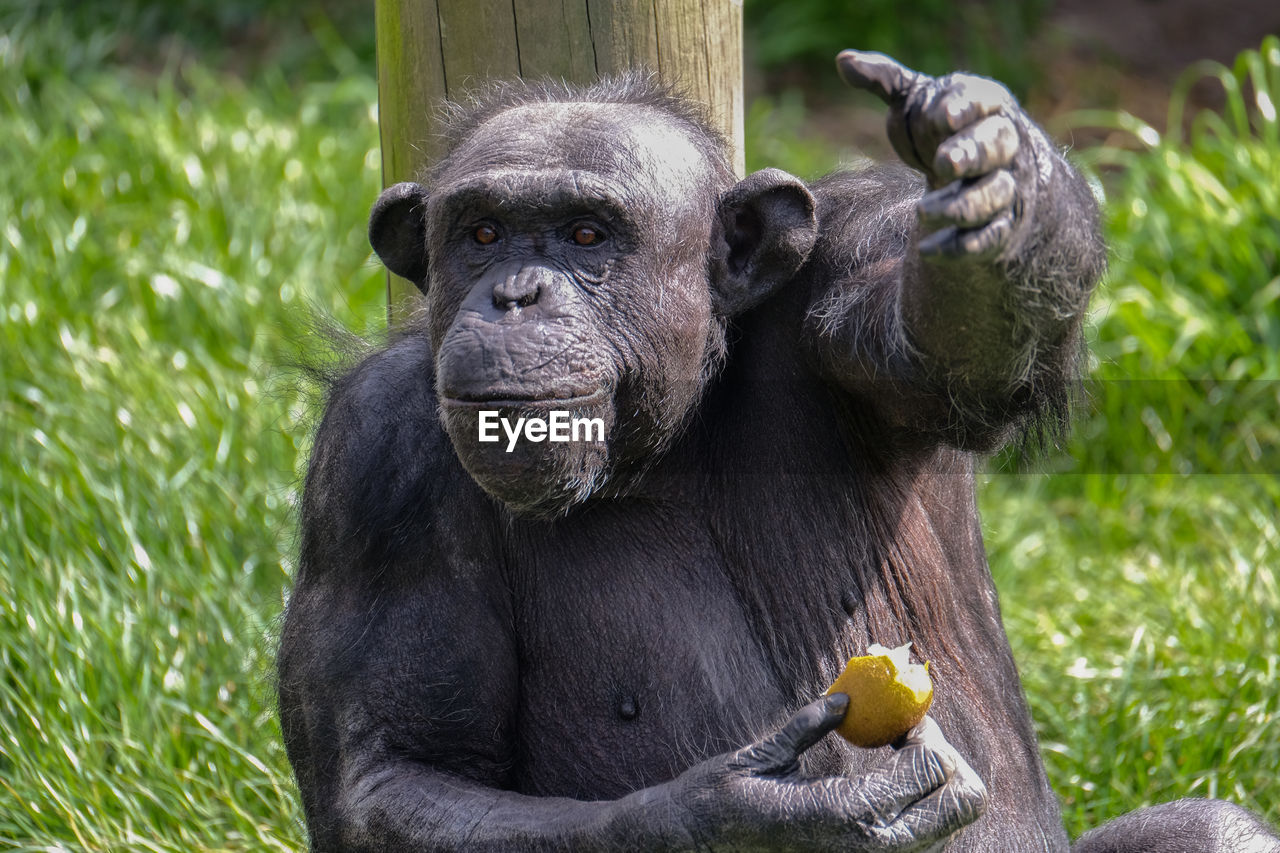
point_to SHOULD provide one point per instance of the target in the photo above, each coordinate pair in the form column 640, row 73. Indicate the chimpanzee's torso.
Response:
column 634, row 705
column 630, row 704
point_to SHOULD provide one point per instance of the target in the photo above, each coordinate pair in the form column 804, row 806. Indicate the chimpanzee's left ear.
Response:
column 766, row 229
column 398, row 231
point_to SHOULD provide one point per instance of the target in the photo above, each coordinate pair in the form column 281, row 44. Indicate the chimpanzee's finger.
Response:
column 986, row 241
column 954, row 804
column 989, row 239
column 968, row 203
column 780, row 751
column 922, row 762
column 928, row 733
column 935, row 818
column 989, row 144
column 965, row 99
column 886, row 78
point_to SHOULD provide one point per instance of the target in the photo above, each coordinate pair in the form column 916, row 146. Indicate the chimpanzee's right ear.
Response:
column 398, row 231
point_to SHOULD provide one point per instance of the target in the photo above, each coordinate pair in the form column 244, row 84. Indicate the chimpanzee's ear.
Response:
column 766, row 230
column 398, row 231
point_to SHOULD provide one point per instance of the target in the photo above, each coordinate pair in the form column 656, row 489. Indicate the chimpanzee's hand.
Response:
column 964, row 132
column 756, row 797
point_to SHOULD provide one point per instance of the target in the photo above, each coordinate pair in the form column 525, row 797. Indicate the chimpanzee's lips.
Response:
column 505, row 399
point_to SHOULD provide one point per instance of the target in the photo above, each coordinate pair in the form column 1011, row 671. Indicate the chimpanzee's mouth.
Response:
column 503, row 399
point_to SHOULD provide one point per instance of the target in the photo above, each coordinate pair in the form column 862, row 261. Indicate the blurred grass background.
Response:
column 182, row 184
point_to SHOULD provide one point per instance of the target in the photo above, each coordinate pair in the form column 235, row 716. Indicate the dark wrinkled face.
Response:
column 568, row 249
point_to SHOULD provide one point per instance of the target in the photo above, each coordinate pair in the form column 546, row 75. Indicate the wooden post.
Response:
column 429, row 50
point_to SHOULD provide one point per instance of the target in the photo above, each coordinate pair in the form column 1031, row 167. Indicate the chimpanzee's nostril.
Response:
column 518, row 291
column 506, row 303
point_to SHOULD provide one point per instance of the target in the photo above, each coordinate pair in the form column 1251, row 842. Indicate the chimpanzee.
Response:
column 509, row 633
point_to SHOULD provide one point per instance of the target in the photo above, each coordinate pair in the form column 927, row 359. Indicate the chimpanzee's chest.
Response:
column 636, row 660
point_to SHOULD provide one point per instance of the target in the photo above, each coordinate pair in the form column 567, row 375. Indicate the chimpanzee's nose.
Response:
column 519, row 290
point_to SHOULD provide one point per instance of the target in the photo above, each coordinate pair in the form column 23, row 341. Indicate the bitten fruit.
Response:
column 887, row 695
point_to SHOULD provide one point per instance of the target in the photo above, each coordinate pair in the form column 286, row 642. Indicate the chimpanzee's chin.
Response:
column 535, row 488
column 538, row 461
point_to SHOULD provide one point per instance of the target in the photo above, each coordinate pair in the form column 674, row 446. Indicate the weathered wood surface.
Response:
column 429, row 50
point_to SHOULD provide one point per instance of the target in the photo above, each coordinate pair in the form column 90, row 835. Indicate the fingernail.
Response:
column 837, row 703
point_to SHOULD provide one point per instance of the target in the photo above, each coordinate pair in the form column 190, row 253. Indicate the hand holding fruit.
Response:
column 914, row 800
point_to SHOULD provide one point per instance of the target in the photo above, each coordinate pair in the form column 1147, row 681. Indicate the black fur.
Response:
column 563, row 648
column 459, row 119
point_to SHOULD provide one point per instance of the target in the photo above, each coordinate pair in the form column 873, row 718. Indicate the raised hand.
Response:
column 964, row 133
column 922, row 794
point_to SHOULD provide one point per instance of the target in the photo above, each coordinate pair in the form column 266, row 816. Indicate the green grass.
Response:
column 162, row 241
column 996, row 37
column 1193, row 306
column 164, row 238
column 1140, row 587
column 1143, row 611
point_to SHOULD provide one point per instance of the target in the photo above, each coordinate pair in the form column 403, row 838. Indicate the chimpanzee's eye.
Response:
column 485, row 234
column 587, row 235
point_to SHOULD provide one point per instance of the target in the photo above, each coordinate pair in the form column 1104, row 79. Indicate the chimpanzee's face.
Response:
column 568, row 282
column 579, row 261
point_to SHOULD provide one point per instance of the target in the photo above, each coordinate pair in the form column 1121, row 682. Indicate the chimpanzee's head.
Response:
column 581, row 252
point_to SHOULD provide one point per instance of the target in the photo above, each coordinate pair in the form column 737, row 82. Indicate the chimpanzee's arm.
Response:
column 952, row 296
column 399, row 693
column 397, row 672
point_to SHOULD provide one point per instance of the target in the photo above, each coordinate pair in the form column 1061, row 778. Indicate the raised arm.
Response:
column 953, row 297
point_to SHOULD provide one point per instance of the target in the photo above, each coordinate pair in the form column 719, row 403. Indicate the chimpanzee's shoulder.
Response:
column 385, row 401
column 869, row 206
column 380, row 458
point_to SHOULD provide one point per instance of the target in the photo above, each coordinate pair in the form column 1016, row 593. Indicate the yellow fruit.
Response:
column 887, row 695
